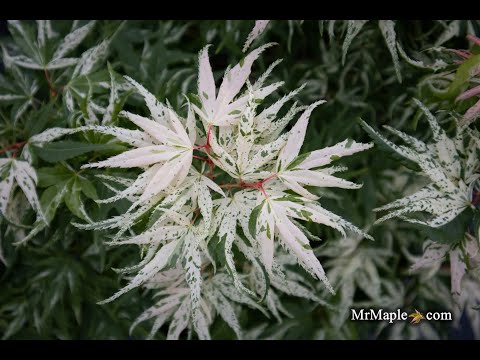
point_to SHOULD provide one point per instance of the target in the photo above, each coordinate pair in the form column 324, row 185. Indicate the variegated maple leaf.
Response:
column 282, row 280
column 19, row 173
column 352, row 264
column 387, row 28
column 450, row 163
column 43, row 51
column 467, row 252
column 257, row 30
column 175, row 305
column 194, row 222
column 223, row 108
column 164, row 147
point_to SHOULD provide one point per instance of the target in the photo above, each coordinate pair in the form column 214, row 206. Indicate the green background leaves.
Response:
column 50, row 286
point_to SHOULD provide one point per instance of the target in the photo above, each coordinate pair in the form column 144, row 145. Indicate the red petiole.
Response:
column 207, row 148
column 476, row 199
column 15, row 147
column 256, row 185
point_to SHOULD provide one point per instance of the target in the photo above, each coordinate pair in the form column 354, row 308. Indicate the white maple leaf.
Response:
column 165, row 146
column 39, row 56
column 351, row 264
column 22, row 90
column 448, row 163
column 19, row 173
column 175, row 304
column 283, row 280
column 196, row 223
column 223, row 108
column 387, row 29
column 435, row 253
column 257, row 30
column 296, row 172
column 275, row 216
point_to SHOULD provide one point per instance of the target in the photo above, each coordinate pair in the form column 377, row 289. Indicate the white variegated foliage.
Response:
column 40, row 55
column 190, row 214
column 21, row 91
column 353, row 28
column 353, row 264
column 257, row 30
column 467, row 252
column 451, row 164
column 219, row 297
column 469, row 304
column 165, row 146
column 13, row 173
column 15, row 211
column 282, row 280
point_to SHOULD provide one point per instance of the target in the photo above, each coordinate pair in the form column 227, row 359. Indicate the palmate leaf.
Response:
column 460, row 255
column 158, row 262
column 20, row 92
column 220, row 109
column 295, row 171
column 62, row 185
column 351, row 264
column 448, row 195
column 353, row 28
column 170, row 147
column 387, row 29
column 274, row 218
column 37, row 55
column 23, row 175
column 220, row 178
column 283, row 280
column 50, row 201
column 257, row 30
column 220, row 297
column 384, row 145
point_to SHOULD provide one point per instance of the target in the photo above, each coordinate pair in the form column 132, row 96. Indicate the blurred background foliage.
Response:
column 50, row 285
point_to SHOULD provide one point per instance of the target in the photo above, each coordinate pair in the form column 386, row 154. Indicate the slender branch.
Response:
column 197, row 212
column 15, row 147
column 53, row 91
column 269, row 178
column 473, row 39
column 207, row 148
column 200, row 158
column 476, row 199
column 256, row 185
column 230, row 186
column 211, row 165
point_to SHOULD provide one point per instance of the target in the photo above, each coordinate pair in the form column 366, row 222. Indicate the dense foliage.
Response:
column 174, row 179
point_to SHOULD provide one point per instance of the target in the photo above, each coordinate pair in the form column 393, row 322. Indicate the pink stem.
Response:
column 476, row 199
column 472, row 113
column 14, row 147
column 469, row 93
column 200, row 158
column 473, row 39
column 462, row 53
